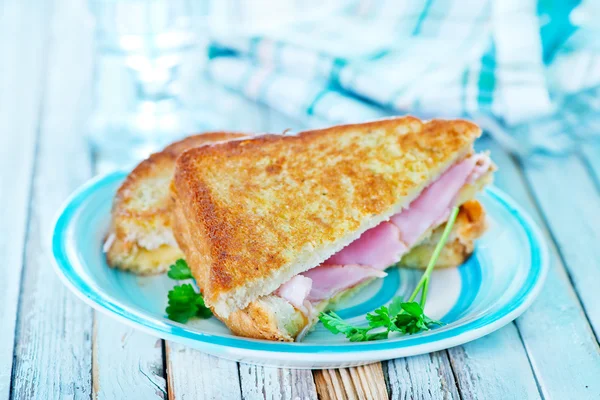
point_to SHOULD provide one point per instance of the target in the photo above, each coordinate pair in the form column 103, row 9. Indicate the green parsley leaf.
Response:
column 180, row 270
column 413, row 309
column 185, row 303
column 379, row 317
column 378, row 336
column 401, row 322
column 396, row 306
column 336, row 325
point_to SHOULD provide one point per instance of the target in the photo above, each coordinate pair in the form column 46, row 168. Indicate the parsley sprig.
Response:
column 184, row 301
column 406, row 318
column 180, row 271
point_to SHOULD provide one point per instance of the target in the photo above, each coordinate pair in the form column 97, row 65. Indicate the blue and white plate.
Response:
column 491, row 289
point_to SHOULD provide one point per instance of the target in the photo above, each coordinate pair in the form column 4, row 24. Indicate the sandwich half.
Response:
column 140, row 238
column 290, row 224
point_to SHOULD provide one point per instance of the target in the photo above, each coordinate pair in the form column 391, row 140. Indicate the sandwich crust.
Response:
column 263, row 210
column 140, row 238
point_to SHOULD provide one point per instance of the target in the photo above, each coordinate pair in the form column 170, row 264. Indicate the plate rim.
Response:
column 321, row 352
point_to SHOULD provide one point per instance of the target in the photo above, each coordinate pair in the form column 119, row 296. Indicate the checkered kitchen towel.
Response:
column 503, row 63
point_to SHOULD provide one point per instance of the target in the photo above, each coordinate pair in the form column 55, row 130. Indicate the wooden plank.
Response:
column 126, row 361
column 562, row 350
column 570, row 203
column 428, row 376
column 195, row 375
column 276, row 383
column 54, row 329
column 493, row 365
column 364, row 382
column 23, row 43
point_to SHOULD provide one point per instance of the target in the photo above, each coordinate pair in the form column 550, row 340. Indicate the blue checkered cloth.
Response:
column 505, row 64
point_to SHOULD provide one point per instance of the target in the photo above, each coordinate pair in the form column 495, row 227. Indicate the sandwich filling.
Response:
column 384, row 245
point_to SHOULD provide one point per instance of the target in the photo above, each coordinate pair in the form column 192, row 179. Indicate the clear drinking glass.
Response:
column 139, row 111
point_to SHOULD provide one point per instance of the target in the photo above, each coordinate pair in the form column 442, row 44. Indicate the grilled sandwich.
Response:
column 277, row 228
column 140, row 239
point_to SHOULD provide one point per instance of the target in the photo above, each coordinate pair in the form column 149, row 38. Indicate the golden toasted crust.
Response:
column 257, row 322
column 262, row 319
column 140, row 238
column 280, row 204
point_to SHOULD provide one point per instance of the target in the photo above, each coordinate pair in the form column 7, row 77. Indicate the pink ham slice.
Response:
column 296, row 290
column 382, row 246
column 378, row 247
column 434, row 203
column 328, row 280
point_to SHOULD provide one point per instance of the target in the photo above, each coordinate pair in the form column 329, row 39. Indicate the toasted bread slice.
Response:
column 140, row 238
column 273, row 318
column 284, row 204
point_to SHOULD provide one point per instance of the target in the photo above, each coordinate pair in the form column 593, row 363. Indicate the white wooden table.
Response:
column 53, row 346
